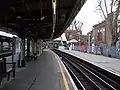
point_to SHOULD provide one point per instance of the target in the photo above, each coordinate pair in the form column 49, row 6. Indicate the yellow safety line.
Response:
column 63, row 75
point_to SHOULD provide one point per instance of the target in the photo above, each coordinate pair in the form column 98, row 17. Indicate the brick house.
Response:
column 99, row 33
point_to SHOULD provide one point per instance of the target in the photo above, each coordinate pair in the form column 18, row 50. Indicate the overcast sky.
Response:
column 88, row 15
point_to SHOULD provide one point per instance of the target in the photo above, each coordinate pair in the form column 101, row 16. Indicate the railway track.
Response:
column 88, row 76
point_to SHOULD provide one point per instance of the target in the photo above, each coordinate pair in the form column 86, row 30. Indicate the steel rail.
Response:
column 96, row 78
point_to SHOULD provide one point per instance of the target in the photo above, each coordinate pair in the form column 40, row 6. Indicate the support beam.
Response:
column 28, row 49
column 13, row 51
column 22, row 53
column 35, row 46
column 65, row 8
column 1, row 46
column 32, row 49
column 39, row 47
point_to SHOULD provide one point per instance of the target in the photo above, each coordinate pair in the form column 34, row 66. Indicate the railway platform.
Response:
column 45, row 73
column 110, row 64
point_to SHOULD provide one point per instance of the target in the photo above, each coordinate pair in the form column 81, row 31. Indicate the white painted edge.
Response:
column 68, row 74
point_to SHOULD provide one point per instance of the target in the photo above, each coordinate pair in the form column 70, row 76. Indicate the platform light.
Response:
column 54, row 6
column 7, row 34
column 19, row 17
column 42, row 17
column 54, row 16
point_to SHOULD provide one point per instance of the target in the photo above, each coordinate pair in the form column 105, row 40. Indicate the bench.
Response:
column 4, row 72
column 8, row 71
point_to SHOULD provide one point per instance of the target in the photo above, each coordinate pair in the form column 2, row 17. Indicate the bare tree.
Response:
column 75, row 25
column 110, row 13
column 75, row 28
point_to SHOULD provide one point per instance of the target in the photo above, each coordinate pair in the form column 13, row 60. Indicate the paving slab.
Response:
column 41, row 74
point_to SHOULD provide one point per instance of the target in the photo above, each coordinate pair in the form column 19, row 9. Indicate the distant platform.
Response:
column 110, row 64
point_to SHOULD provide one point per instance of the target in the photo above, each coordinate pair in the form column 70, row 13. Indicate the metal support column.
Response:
column 13, row 55
column 32, row 49
column 22, row 53
column 35, row 49
column 35, row 46
column 13, row 49
column 1, row 46
column 39, row 47
column 28, row 49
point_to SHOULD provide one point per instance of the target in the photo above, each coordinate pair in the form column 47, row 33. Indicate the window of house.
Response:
column 118, row 29
column 101, row 30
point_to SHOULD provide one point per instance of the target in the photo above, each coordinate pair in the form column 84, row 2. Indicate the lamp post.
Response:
column 79, row 42
column 88, row 43
column 80, row 33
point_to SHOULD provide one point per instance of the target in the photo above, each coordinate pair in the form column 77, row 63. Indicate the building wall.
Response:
column 101, row 34
column 101, row 31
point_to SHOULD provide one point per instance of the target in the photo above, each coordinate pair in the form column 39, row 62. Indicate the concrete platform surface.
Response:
column 110, row 64
column 46, row 73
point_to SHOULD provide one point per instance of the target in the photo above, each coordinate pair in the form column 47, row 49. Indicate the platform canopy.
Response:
column 42, row 19
column 73, row 41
